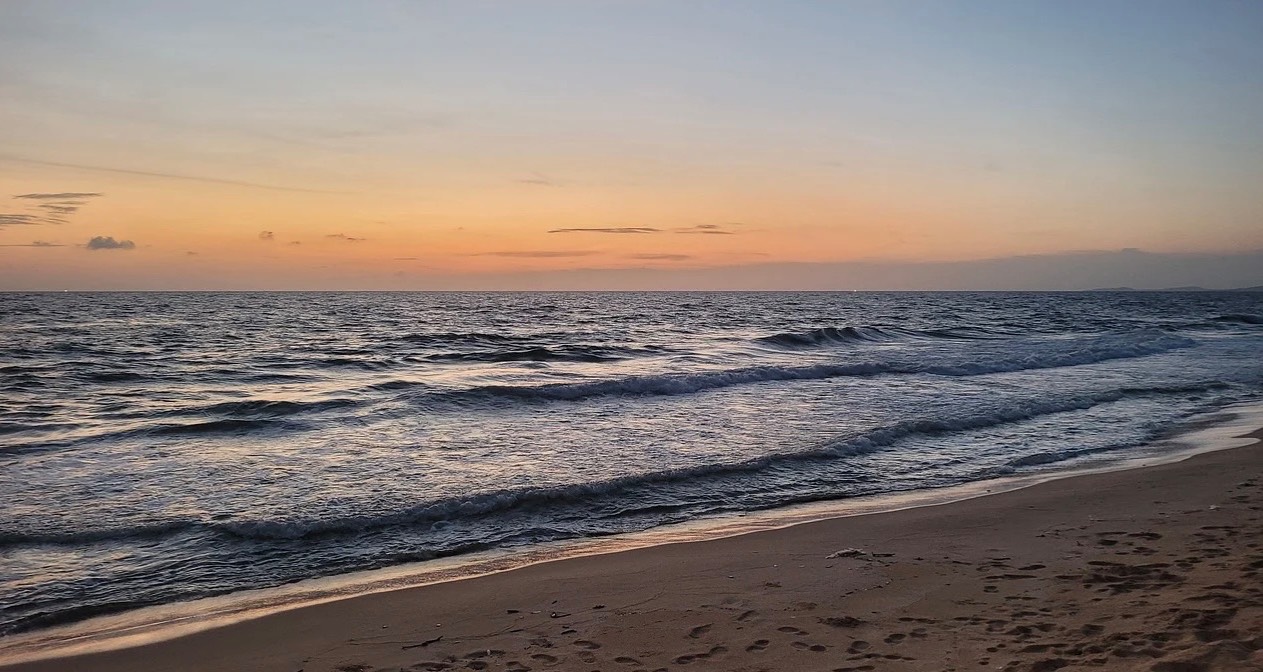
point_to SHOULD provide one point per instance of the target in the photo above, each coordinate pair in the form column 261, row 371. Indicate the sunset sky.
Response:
column 417, row 145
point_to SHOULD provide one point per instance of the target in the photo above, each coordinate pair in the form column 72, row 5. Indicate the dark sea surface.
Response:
column 159, row 447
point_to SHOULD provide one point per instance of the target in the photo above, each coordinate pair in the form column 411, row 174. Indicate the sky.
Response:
column 606, row 144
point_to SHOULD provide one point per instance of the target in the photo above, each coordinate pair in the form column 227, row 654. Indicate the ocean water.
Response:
column 160, row 447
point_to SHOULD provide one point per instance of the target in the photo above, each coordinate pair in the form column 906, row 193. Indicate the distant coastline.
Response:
column 1256, row 288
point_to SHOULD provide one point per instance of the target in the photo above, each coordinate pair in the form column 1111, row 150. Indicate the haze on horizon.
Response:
column 286, row 144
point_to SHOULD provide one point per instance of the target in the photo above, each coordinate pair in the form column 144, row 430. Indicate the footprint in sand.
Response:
column 803, row 646
column 857, row 646
column 895, row 638
column 758, row 645
column 842, row 621
column 746, row 615
column 544, row 658
column 699, row 631
column 626, row 660
column 586, row 644
column 686, row 659
column 792, row 630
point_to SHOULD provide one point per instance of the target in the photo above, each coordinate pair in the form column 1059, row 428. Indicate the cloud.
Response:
column 108, row 243
column 48, row 207
column 706, row 229
column 266, row 235
column 407, row 259
column 167, row 176
column 538, row 254
column 660, row 257
column 345, row 238
column 539, row 180
column 294, row 242
column 60, row 196
column 21, row 220
column 36, row 243
column 190, row 253
column 611, row 229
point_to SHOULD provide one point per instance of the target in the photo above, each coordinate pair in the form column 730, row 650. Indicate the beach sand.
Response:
column 1148, row 569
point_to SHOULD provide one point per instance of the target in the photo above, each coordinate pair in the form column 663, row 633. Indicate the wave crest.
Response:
column 1036, row 355
column 1240, row 318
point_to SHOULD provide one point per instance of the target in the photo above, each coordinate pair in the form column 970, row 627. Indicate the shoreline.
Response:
column 740, row 532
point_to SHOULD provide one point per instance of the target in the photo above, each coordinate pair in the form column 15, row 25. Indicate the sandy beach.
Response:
column 1148, row 569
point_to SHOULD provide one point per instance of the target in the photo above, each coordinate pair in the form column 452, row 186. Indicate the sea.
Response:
column 156, row 448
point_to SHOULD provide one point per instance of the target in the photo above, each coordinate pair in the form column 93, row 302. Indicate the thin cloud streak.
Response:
column 48, row 208
column 705, row 229
column 609, row 229
column 37, row 243
column 166, row 176
column 65, row 195
column 539, row 180
column 538, row 254
column 14, row 219
column 659, row 257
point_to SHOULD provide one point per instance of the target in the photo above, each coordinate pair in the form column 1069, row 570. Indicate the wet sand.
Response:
column 1155, row 569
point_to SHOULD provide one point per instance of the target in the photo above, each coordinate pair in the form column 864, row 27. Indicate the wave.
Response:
column 265, row 408
column 224, row 426
column 111, row 376
column 1240, row 318
column 561, row 353
column 463, row 338
column 586, row 495
column 582, row 493
column 348, row 362
column 393, row 385
column 207, row 427
column 827, row 336
column 1052, row 457
column 141, row 531
column 7, row 427
column 1021, row 356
